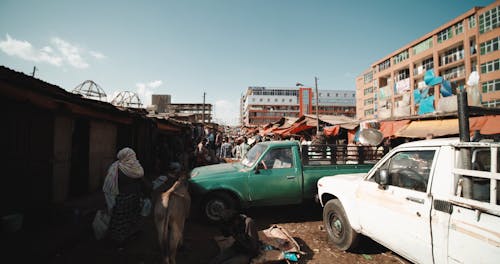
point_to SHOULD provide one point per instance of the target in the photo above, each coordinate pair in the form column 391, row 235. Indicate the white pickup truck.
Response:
column 420, row 203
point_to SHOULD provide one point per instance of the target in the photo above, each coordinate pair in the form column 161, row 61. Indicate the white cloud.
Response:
column 227, row 112
column 155, row 84
column 26, row 51
column 145, row 90
column 97, row 55
column 60, row 53
column 70, row 53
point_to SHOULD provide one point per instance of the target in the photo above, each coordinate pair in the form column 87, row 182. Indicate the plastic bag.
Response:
column 100, row 224
column 426, row 105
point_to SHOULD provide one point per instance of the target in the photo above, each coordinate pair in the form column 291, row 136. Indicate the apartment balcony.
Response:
column 451, row 58
column 455, row 74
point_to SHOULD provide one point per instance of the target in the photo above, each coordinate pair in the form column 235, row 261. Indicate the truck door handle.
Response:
column 416, row 200
column 290, row 177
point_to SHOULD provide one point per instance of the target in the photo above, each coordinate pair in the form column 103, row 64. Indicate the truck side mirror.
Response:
column 259, row 167
column 382, row 177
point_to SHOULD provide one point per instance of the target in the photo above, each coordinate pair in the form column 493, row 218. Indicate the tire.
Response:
column 215, row 203
column 340, row 232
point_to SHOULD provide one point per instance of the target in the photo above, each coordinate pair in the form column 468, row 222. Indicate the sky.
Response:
column 219, row 47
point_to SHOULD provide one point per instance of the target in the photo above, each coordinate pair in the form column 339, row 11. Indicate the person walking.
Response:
column 123, row 188
column 226, row 149
column 244, row 147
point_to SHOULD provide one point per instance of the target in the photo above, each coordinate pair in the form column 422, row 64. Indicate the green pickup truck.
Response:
column 273, row 173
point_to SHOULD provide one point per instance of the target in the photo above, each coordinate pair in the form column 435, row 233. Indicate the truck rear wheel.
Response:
column 340, row 232
column 215, row 203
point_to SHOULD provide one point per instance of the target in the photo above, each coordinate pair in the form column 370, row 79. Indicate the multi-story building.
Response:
column 161, row 101
column 263, row 105
column 469, row 43
column 201, row 113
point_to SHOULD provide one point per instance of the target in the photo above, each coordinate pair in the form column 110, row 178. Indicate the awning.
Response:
column 487, row 125
column 390, row 128
column 438, row 128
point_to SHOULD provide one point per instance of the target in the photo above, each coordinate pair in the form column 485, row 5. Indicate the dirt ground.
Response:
column 302, row 222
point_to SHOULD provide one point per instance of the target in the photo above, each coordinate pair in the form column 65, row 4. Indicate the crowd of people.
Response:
column 216, row 147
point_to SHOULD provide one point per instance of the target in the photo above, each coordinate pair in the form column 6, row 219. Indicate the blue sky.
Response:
column 220, row 47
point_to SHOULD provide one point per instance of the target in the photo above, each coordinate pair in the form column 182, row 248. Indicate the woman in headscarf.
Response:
column 123, row 188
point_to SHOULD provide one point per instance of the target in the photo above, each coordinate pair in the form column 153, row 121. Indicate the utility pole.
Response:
column 203, row 110
column 34, row 69
column 317, row 108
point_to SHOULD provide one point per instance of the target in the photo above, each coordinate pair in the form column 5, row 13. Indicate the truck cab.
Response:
column 420, row 202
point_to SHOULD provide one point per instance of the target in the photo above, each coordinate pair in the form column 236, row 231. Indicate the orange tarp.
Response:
column 487, row 125
column 331, row 131
column 390, row 128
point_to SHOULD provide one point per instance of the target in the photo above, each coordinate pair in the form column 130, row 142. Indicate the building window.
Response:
column 290, row 100
column 260, row 100
column 422, row 46
column 491, row 86
column 283, row 100
column 494, row 103
column 368, row 90
column 368, row 77
column 490, row 66
column 384, row 65
column 455, row 72
column 473, row 65
column 253, row 99
column 337, row 95
column 452, row 55
column 368, row 112
column 489, row 20
column 445, row 35
column 403, row 74
column 489, row 46
column 472, row 21
column 368, row 101
column 400, row 57
column 275, row 100
column 428, row 64
column 459, row 28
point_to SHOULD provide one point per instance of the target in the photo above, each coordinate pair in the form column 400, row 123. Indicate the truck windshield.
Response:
column 253, row 155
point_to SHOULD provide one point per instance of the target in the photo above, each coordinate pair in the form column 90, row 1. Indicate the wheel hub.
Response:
column 336, row 225
column 214, row 209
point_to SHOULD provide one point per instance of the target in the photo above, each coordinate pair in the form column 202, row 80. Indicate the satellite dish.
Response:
column 370, row 137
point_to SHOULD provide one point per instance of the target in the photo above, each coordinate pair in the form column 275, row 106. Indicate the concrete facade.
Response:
column 465, row 44
column 263, row 105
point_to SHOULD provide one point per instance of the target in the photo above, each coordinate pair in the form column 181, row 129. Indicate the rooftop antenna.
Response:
column 34, row 70
column 91, row 90
column 127, row 99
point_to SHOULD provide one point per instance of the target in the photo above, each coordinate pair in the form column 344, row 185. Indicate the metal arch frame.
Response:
column 90, row 89
column 127, row 99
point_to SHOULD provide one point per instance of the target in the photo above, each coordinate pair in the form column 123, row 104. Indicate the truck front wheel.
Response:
column 338, row 227
column 215, row 203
